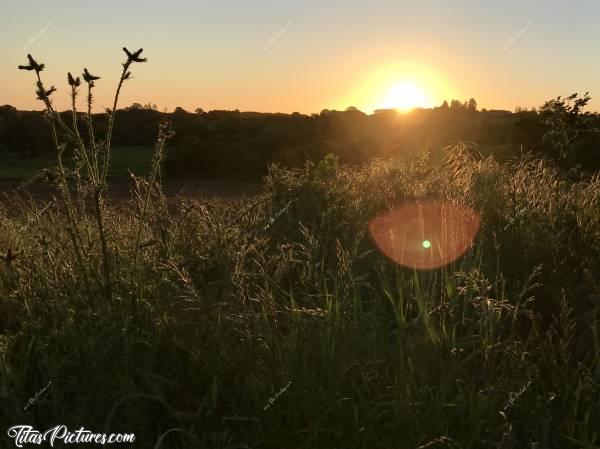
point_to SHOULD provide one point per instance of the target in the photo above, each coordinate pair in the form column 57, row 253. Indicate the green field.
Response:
column 277, row 322
column 137, row 159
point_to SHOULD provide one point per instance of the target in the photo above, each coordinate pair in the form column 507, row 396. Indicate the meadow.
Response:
column 274, row 321
column 135, row 159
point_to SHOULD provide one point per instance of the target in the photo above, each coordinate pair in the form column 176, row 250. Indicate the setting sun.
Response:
column 402, row 85
column 382, row 210
column 405, row 97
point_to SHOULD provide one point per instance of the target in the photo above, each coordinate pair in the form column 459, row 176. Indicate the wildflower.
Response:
column 134, row 57
column 43, row 94
column 73, row 82
column 33, row 65
column 89, row 78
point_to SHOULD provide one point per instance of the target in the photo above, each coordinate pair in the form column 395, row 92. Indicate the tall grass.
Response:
column 216, row 306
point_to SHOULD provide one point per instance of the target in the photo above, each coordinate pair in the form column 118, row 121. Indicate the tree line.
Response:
column 218, row 142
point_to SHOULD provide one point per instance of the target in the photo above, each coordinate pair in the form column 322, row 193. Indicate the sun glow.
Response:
column 405, row 97
column 402, row 85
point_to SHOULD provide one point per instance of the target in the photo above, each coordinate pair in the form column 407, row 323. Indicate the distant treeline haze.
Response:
column 245, row 143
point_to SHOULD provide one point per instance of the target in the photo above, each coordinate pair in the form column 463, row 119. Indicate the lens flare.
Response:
column 425, row 235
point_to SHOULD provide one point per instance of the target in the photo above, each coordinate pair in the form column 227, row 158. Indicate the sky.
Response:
column 305, row 56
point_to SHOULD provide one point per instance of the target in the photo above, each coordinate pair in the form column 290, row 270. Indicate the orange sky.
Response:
column 306, row 56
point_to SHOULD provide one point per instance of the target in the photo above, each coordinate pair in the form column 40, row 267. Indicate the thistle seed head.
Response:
column 43, row 94
column 73, row 82
column 135, row 56
column 33, row 65
column 89, row 78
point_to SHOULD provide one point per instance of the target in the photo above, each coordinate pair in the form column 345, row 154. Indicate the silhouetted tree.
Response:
column 232, row 142
column 566, row 123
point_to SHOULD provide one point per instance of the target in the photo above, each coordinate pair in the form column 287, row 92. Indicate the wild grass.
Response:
column 238, row 299
column 220, row 308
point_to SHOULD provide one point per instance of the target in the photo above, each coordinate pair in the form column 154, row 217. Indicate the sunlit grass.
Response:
column 238, row 299
column 180, row 321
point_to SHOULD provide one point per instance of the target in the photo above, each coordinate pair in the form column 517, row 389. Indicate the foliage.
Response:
column 180, row 321
column 88, row 178
column 566, row 124
column 218, row 143
column 238, row 299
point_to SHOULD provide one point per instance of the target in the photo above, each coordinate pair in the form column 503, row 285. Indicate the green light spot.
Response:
column 426, row 244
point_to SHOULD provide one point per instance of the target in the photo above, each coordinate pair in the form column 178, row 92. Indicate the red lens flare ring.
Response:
column 425, row 234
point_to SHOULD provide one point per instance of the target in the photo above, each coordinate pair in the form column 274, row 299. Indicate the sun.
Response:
column 401, row 85
column 404, row 97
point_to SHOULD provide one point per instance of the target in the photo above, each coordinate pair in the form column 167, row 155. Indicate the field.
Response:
column 136, row 159
column 27, row 176
column 275, row 321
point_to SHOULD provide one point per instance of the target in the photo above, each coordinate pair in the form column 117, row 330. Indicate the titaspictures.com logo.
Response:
column 24, row 434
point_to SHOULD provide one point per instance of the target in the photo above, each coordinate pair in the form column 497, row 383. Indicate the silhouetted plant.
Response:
column 92, row 162
column 566, row 123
